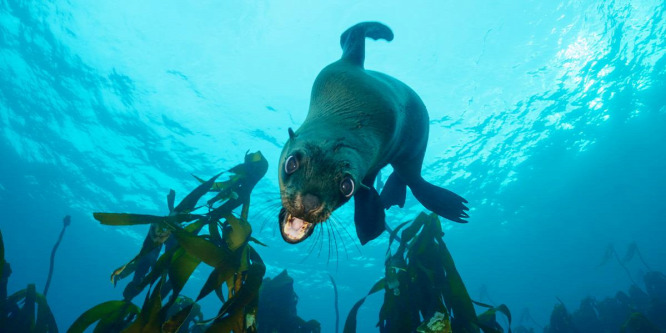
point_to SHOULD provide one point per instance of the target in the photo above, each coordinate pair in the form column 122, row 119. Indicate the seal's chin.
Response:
column 293, row 229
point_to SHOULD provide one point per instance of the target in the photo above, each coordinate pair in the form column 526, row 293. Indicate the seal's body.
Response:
column 358, row 122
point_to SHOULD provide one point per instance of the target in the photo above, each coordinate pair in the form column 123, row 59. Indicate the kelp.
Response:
column 277, row 308
column 23, row 318
column 421, row 281
column 66, row 222
column 243, row 178
column 110, row 316
column 172, row 251
column 609, row 254
column 25, row 310
column 632, row 311
column 638, row 323
column 337, row 311
column 632, row 251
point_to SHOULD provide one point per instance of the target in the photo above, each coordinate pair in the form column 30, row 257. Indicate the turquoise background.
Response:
column 548, row 117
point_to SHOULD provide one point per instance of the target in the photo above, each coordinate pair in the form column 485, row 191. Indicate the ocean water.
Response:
column 549, row 117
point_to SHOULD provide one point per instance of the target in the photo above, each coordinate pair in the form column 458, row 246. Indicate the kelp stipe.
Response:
column 421, row 281
column 26, row 310
column 66, row 222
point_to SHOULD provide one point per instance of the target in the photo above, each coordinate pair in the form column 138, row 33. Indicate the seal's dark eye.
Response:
column 347, row 187
column 291, row 165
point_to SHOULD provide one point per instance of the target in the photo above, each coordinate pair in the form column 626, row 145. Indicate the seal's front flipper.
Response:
column 394, row 192
column 368, row 214
column 440, row 201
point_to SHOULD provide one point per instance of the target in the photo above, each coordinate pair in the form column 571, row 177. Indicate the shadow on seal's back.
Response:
column 358, row 122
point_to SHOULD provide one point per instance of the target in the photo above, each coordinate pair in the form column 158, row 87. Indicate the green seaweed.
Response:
column 638, row 323
column 226, row 249
column 107, row 315
column 488, row 319
column 181, row 268
column 423, row 290
column 19, row 318
column 350, row 323
column 183, row 316
column 633, row 251
column 25, row 310
column 609, row 254
column 2, row 256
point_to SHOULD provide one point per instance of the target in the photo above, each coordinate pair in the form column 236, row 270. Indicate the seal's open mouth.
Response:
column 293, row 229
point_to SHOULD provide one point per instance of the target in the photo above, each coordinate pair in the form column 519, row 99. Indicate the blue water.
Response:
column 549, row 118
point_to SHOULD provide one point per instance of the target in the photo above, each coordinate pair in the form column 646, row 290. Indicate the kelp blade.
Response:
column 187, row 204
column 119, row 219
column 181, row 268
column 350, row 323
column 204, row 249
column 176, row 321
column 45, row 320
column 115, row 309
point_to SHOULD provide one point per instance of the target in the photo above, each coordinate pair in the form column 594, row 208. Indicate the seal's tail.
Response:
column 353, row 40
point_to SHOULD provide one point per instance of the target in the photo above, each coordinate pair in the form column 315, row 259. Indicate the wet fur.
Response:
column 358, row 122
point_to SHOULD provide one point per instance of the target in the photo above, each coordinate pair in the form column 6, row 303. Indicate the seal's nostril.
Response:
column 310, row 202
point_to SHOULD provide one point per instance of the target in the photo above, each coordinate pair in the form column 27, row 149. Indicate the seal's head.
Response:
column 315, row 179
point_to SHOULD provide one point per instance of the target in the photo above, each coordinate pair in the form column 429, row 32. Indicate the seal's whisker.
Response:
column 264, row 217
column 342, row 239
column 268, row 203
column 311, row 248
column 262, row 208
column 320, row 240
column 267, row 213
column 328, row 230
column 267, row 209
column 348, row 234
column 335, row 240
column 321, row 245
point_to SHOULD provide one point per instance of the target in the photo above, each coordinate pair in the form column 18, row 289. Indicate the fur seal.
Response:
column 358, row 122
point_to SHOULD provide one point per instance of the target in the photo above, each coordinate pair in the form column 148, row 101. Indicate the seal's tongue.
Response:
column 293, row 229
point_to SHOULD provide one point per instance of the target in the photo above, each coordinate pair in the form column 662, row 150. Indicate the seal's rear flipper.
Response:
column 352, row 40
column 368, row 214
column 440, row 201
column 394, row 192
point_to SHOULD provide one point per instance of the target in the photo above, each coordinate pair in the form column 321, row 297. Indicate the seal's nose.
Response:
column 310, row 202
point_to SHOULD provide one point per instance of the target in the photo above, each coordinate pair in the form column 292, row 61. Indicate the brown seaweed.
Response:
column 226, row 248
column 66, row 223
column 25, row 310
column 422, row 282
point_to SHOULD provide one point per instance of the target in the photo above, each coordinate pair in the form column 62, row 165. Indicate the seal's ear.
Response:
column 291, row 133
